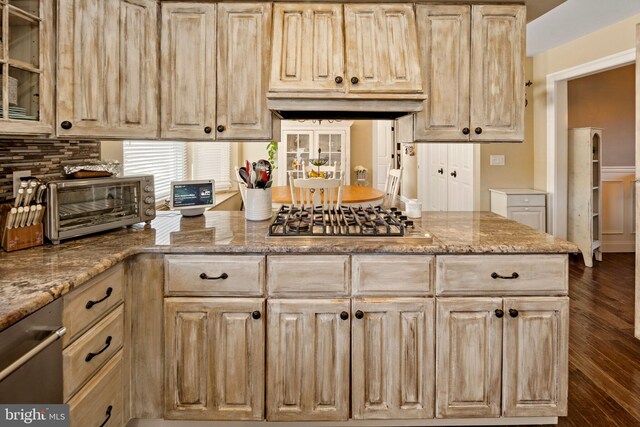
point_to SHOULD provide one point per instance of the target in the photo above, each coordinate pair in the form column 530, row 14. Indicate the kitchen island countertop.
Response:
column 30, row 279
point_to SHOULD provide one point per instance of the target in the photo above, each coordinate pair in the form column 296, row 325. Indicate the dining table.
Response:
column 351, row 195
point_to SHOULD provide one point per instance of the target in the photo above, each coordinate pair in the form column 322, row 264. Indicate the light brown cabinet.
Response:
column 308, row 360
column 512, row 350
column 27, row 49
column 107, row 69
column 472, row 58
column 214, row 358
column 393, row 358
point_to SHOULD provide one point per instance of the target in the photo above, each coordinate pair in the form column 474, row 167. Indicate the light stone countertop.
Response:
column 31, row 278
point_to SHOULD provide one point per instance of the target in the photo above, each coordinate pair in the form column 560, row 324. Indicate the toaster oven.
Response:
column 79, row 207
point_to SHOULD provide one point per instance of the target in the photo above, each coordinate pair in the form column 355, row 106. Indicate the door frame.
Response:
column 557, row 133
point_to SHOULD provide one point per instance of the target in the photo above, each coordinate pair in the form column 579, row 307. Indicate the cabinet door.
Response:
column 533, row 216
column 434, row 195
column 497, row 73
column 308, row 360
column 188, row 51
column 296, row 147
column 444, row 39
column 536, row 356
column 469, row 355
column 214, row 356
column 308, row 46
column 460, row 175
column 244, row 35
column 382, row 49
column 107, row 68
column 393, row 358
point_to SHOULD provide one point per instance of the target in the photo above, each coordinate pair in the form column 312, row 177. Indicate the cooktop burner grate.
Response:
column 344, row 221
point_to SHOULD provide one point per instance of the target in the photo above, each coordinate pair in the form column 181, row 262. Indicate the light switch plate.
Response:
column 16, row 180
column 496, row 160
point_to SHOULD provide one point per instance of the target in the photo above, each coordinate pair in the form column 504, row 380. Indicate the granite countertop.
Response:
column 31, row 278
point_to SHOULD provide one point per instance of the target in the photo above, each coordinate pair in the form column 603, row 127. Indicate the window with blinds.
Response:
column 175, row 161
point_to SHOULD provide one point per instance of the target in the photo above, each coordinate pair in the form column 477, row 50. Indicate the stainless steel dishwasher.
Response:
column 31, row 358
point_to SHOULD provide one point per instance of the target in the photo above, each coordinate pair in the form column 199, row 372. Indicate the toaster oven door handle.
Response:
column 55, row 335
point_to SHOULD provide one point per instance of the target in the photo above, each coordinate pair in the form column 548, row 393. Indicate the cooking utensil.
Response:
column 252, row 178
column 243, row 174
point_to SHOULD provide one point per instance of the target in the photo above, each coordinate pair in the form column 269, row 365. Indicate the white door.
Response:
column 382, row 152
column 460, row 177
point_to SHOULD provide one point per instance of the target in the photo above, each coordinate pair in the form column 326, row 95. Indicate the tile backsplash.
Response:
column 45, row 159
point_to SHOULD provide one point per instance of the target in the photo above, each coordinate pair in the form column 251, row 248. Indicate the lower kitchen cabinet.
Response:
column 308, row 360
column 214, row 358
column 520, row 343
column 393, row 358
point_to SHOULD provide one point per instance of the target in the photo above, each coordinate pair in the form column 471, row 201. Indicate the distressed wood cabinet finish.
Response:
column 411, row 275
column 214, row 359
column 244, row 49
column 469, row 355
column 308, row 360
column 308, row 48
column 107, row 68
column 393, row 358
column 188, row 62
column 497, row 78
column 381, row 47
column 535, row 362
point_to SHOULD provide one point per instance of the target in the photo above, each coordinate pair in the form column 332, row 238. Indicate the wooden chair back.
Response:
column 317, row 192
column 392, row 184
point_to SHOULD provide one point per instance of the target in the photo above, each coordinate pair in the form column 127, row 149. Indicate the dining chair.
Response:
column 330, row 171
column 392, row 184
column 316, row 192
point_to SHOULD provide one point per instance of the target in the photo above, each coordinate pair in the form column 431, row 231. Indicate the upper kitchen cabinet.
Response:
column 473, row 74
column 107, row 68
column 244, row 46
column 188, row 55
column 26, row 66
column 308, row 48
column 381, row 46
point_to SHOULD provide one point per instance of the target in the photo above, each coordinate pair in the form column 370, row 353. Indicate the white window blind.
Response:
column 211, row 160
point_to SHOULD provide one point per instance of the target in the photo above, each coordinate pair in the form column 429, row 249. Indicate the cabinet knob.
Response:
column 344, row 315
column 220, row 128
column 256, row 315
column 454, row 174
column 513, row 312
column 499, row 313
column 354, row 80
column 478, row 131
column 441, row 171
column 207, row 129
column 66, row 125
column 465, row 131
column 359, row 314
column 338, row 79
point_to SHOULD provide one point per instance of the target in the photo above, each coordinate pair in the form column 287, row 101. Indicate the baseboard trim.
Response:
column 629, row 246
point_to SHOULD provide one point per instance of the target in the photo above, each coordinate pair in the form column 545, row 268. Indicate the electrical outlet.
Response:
column 496, row 160
column 16, row 180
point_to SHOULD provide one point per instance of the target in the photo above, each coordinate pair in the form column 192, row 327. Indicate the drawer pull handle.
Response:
column 107, row 343
column 495, row 275
column 499, row 313
column 204, row 276
column 92, row 303
column 109, row 409
column 359, row 314
column 513, row 312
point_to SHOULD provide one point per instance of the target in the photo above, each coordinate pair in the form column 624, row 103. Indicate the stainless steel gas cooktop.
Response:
column 344, row 221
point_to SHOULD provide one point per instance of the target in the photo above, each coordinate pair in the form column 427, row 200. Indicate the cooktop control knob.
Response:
column 148, row 189
column 148, row 200
column 149, row 212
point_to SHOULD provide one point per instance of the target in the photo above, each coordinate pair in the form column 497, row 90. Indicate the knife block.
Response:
column 19, row 238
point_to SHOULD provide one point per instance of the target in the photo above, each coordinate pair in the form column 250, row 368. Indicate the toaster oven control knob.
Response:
column 149, row 212
column 148, row 200
column 148, row 189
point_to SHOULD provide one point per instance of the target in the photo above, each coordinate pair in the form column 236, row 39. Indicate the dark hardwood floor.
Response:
column 604, row 356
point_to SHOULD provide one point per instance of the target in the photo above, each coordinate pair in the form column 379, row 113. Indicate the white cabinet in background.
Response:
column 523, row 205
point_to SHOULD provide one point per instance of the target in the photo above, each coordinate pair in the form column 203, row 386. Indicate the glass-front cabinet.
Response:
column 26, row 49
column 300, row 142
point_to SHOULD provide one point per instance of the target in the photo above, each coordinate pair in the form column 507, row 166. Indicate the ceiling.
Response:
column 574, row 19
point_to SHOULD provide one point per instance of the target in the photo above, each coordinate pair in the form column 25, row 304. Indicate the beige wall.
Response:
column 607, row 100
column 361, row 147
column 517, row 171
column 608, row 41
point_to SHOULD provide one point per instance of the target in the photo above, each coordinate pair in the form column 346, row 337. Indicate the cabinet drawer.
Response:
column 526, row 200
column 86, row 305
column 308, row 275
column 214, row 275
column 392, row 275
column 474, row 274
column 89, row 352
column 100, row 402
